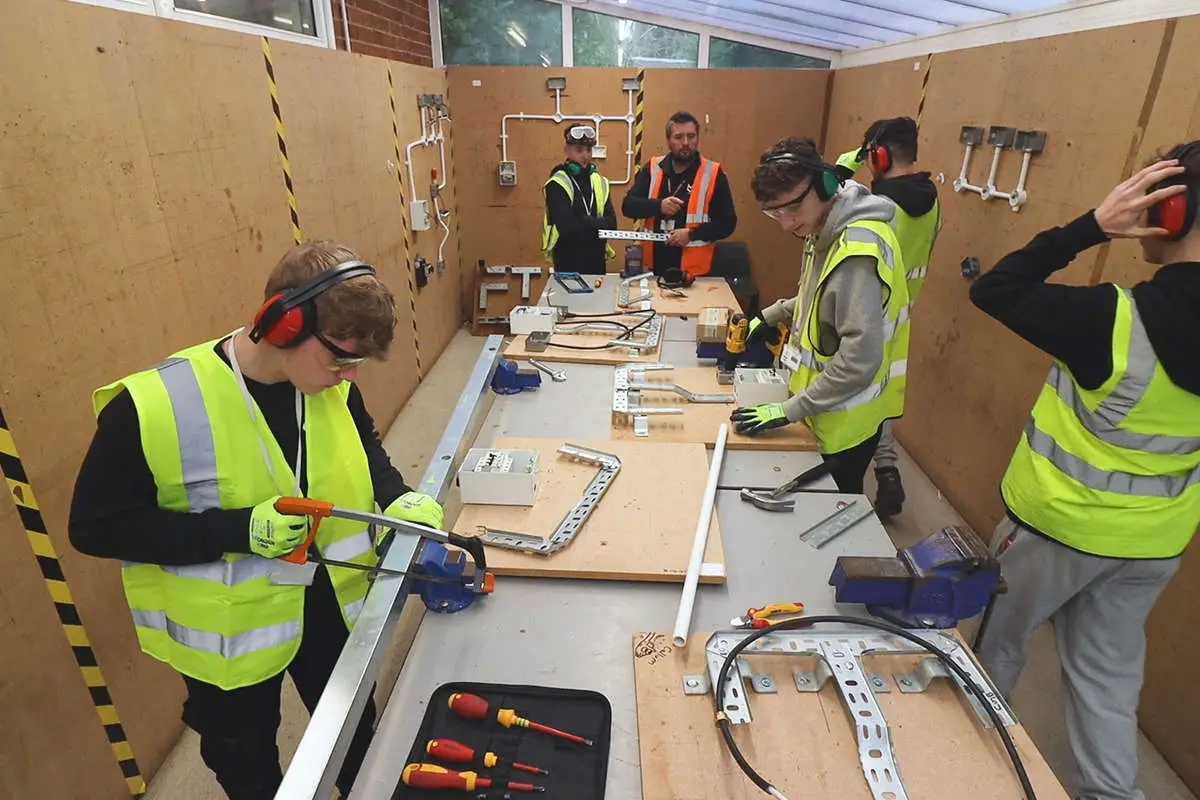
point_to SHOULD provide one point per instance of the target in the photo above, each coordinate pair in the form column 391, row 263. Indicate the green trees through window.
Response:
column 501, row 32
column 601, row 40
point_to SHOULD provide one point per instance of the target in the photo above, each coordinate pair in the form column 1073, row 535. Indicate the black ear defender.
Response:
column 826, row 181
column 288, row 318
column 1177, row 213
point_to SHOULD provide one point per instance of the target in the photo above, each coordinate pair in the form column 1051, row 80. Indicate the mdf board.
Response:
column 1169, row 717
column 518, row 350
column 995, row 375
column 704, row 293
column 862, row 95
column 700, row 422
column 338, row 125
column 805, row 744
column 138, row 197
column 735, row 131
column 642, row 529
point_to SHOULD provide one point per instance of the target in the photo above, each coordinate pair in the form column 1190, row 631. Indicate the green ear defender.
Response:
column 825, row 179
column 828, row 185
column 575, row 169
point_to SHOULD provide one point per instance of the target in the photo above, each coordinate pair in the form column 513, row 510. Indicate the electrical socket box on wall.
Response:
column 752, row 387
column 499, row 477
column 508, row 173
column 599, row 151
column 524, row 320
column 420, row 215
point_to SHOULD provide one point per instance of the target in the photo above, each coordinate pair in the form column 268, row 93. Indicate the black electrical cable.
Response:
column 627, row 330
column 803, row 622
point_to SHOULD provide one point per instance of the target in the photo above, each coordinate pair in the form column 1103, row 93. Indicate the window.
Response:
column 726, row 53
column 305, row 21
column 603, row 41
column 503, row 32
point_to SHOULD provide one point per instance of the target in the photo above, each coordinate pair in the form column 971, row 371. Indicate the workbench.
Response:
column 548, row 631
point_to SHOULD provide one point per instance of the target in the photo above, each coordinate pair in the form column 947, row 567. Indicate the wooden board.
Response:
column 699, row 422
column 610, row 355
column 805, row 743
column 704, row 293
column 641, row 530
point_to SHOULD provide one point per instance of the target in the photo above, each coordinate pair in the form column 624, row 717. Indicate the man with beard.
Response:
column 686, row 196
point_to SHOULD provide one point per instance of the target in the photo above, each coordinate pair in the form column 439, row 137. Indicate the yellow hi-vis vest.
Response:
column 917, row 236
column 600, row 192
column 225, row 622
column 856, row 420
column 1113, row 471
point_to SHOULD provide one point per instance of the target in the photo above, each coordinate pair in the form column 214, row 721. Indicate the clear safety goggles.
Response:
column 580, row 134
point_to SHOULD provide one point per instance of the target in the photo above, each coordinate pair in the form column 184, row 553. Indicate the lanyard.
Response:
column 252, row 408
column 590, row 208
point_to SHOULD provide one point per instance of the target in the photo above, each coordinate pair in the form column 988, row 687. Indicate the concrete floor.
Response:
column 413, row 438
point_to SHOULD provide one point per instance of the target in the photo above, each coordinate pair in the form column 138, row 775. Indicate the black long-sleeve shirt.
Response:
column 115, row 512
column 639, row 205
column 579, row 247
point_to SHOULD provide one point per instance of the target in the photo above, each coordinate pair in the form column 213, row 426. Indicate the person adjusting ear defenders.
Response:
column 578, row 205
column 180, row 486
column 847, row 347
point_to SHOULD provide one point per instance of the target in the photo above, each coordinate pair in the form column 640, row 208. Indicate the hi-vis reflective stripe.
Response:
column 196, row 447
column 228, row 573
column 239, row 644
column 889, row 327
column 864, row 236
column 913, row 274
column 1126, row 483
column 875, row 390
column 352, row 610
column 358, row 544
column 1140, row 364
column 38, row 536
column 706, row 178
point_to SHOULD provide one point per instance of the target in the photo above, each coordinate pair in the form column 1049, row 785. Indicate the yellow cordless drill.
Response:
column 737, row 344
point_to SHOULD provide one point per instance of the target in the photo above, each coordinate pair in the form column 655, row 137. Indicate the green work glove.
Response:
column 756, row 419
column 273, row 534
column 414, row 507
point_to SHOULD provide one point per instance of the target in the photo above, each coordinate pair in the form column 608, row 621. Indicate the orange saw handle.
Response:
column 316, row 510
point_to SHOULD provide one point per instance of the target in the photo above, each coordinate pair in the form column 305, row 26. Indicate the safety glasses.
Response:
column 342, row 359
column 579, row 134
column 792, row 206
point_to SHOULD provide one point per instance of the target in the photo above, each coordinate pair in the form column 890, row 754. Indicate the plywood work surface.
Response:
column 642, row 529
column 805, row 743
column 587, row 338
column 704, row 293
column 699, row 422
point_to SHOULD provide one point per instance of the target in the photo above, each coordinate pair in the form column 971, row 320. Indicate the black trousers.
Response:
column 848, row 468
column 238, row 727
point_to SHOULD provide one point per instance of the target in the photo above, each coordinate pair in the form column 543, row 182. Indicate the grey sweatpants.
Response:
column 885, row 451
column 1098, row 607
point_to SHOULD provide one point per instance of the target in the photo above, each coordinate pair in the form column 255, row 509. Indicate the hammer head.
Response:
column 767, row 503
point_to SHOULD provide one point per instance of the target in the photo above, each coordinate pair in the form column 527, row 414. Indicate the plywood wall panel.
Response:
column 971, row 382
column 742, row 112
column 862, row 95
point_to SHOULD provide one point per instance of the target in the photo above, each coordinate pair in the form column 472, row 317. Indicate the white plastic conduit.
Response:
column 596, row 119
column 683, row 620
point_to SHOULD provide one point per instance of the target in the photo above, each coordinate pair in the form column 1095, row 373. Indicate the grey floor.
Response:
column 413, row 438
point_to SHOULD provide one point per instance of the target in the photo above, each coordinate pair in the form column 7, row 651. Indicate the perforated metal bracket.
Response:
column 526, row 274
column 608, row 464
column 644, row 298
column 627, row 402
column 682, row 391
column 636, row 236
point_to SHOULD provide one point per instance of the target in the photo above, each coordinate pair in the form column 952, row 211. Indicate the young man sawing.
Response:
column 848, row 344
column 889, row 149
column 179, row 485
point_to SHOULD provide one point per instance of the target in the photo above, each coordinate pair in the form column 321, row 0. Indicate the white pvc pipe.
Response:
column 683, row 620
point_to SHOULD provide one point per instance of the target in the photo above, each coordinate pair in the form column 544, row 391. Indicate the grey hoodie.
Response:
column 851, row 309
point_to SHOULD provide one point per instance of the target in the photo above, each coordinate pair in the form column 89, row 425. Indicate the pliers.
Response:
column 758, row 618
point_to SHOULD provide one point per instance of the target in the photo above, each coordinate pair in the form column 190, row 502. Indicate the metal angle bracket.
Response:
column 526, row 273
column 644, row 298
column 608, row 466
column 627, row 402
column 484, row 288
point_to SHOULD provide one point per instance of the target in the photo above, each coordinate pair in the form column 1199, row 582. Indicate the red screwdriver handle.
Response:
column 468, row 706
column 450, row 750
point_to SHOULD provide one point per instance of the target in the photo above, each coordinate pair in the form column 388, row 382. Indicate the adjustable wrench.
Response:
column 556, row 375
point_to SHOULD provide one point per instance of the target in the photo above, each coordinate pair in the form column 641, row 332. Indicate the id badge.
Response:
column 285, row 573
column 668, row 225
column 790, row 358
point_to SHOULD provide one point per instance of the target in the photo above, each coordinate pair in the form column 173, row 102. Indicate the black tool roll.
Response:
column 577, row 771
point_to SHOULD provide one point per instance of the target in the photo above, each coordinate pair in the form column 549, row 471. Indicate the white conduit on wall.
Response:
column 596, row 119
column 432, row 133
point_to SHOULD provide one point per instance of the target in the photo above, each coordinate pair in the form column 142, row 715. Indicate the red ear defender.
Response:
column 275, row 325
column 880, row 157
column 1176, row 214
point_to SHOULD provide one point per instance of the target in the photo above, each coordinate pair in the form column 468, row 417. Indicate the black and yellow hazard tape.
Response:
column 924, row 87
column 410, row 266
column 639, row 102
column 283, row 154
column 17, row 481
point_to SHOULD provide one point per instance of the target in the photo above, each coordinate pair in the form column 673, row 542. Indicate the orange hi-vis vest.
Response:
column 698, row 255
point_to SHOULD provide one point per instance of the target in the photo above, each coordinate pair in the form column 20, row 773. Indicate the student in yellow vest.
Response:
column 686, row 196
column 847, row 348
column 1103, row 490
column 578, row 206
column 179, row 485
column 889, row 148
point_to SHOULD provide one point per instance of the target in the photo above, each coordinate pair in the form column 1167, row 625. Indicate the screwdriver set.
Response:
column 491, row 741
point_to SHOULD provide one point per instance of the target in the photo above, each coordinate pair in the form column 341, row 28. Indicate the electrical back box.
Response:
column 497, row 477
column 508, row 173
column 752, row 387
column 712, row 326
column 420, row 215
column 527, row 319
column 599, row 151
